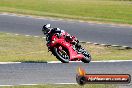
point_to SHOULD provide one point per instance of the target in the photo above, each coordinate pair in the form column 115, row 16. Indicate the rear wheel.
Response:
column 61, row 54
column 87, row 56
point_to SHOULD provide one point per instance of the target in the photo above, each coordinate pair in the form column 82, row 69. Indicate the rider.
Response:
column 48, row 30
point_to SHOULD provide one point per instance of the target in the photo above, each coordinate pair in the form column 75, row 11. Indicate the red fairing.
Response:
column 55, row 41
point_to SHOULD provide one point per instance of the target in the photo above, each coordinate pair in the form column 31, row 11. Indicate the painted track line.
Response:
column 6, row 85
column 43, row 37
column 113, row 61
column 10, row 62
column 93, row 61
column 20, row 85
column 27, row 35
column 50, row 62
column 16, row 34
column 38, row 84
column 36, row 36
column 122, row 85
column 65, row 83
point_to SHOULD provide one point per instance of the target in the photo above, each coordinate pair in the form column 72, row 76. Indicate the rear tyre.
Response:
column 87, row 56
column 62, row 55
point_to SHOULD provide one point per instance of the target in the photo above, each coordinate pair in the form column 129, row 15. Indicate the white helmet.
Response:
column 46, row 28
column 47, row 25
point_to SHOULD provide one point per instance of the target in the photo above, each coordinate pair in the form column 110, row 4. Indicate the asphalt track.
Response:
column 92, row 32
column 41, row 73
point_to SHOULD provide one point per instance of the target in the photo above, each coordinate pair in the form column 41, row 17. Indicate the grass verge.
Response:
column 67, row 86
column 21, row 48
column 118, row 11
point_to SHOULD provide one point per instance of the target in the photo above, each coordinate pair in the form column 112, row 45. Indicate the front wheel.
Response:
column 87, row 56
column 61, row 54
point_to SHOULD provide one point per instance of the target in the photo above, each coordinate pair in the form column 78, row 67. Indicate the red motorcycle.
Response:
column 65, row 51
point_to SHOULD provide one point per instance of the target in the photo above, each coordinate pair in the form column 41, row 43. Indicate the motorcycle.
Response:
column 65, row 51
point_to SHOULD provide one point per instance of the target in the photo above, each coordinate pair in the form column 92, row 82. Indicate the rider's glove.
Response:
column 58, row 35
column 69, row 37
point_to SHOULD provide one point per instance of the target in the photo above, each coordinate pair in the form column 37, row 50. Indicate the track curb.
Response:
column 107, row 45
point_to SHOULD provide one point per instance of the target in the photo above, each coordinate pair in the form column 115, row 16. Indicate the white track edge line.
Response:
column 65, row 83
column 10, row 62
column 27, row 35
column 27, row 84
column 6, row 85
column 70, row 61
column 92, row 61
column 113, row 61
column 61, row 62
column 20, row 85
column 37, row 84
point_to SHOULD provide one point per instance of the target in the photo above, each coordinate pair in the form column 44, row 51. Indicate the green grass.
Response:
column 67, row 86
column 20, row 48
column 108, row 53
column 96, row 10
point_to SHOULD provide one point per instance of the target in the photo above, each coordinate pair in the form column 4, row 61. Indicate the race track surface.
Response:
column 92, row 32
column 41, row 73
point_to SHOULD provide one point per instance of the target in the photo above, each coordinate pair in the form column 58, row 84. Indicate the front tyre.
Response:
column 61, row 54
